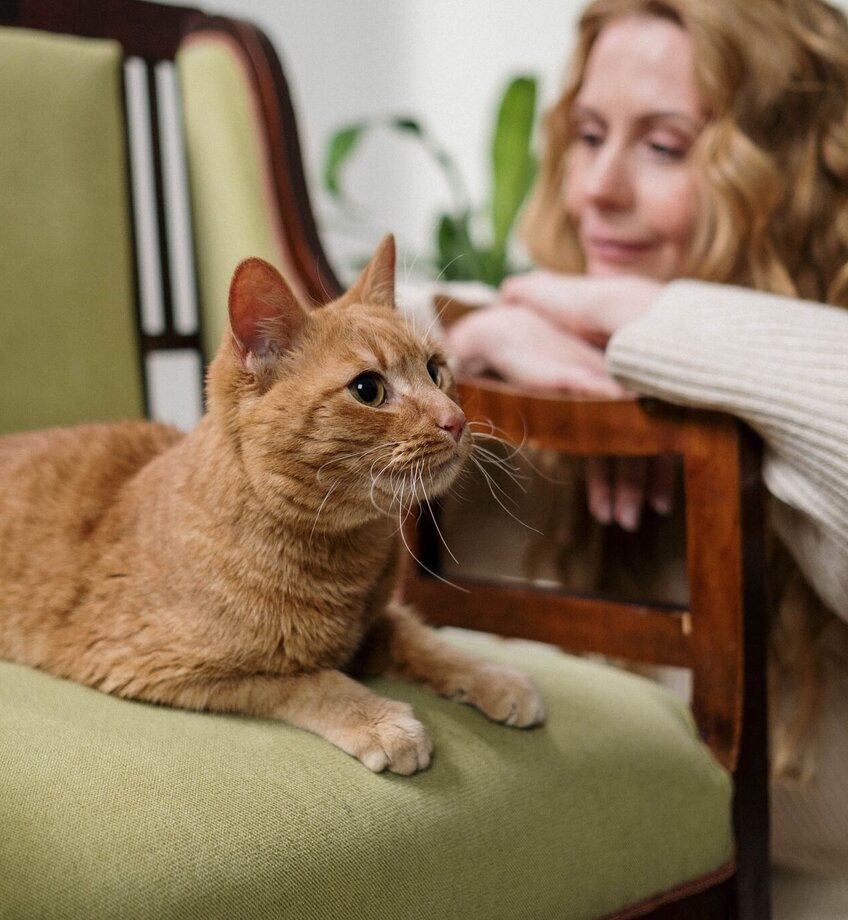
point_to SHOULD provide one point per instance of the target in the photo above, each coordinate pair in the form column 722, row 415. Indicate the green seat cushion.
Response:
column 115, row 809
column 67, row 333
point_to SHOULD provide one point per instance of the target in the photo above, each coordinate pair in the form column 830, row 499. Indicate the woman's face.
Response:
column 629, row 178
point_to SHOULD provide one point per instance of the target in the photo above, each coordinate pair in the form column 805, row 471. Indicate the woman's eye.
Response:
column 590, row 136
column 590, row 139
column 369, row 389
column 667, row 151
column 434, row 371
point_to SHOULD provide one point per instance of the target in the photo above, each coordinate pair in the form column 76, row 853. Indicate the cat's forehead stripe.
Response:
column 388, row 345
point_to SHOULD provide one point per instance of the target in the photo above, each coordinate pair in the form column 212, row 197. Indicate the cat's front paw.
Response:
column 393, row 739
column 504, row 695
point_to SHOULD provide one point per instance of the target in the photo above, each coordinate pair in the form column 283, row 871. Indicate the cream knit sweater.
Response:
column 782, row 366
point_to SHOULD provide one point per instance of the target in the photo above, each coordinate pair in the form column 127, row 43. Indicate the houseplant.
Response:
column 471, row 243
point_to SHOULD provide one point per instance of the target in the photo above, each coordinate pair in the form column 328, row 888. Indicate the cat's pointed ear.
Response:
column 376, row 284
column 265, row 316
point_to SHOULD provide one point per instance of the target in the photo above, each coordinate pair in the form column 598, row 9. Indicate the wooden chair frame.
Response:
column 721, row 634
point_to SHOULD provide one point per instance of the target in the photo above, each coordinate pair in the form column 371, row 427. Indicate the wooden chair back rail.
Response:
column 708, row 636
column 580, row 624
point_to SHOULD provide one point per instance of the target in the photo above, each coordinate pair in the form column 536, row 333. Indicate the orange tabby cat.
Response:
column 250, row 565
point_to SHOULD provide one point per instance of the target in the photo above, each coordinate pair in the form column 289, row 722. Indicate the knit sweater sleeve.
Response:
column 779, row 364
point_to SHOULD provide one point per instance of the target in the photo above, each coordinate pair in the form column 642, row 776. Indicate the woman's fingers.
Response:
column 599, row 492
column 590, row 308
column 617, row 488
column 663, row 478
column 631, row 477
column 526, row 349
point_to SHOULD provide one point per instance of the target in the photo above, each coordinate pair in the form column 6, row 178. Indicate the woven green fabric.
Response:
column 113, row 809
column 227, row 170
column 65, row 257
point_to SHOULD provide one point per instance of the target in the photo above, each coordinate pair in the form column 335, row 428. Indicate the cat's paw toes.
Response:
column 396, row 741
column 509, row 697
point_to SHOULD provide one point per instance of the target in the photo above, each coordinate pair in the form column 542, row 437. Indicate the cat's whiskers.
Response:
column 354, row 456
column 511, row 472
column 397, row 482
column 490, row 435
column 516, row 450
column 448, row 265
column 436, row 523
column 321, row 507
column 437, row 316
column 401, row 518
column 374, row 483
column 494, row 485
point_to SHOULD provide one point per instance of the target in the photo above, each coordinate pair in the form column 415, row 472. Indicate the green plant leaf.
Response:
column 513, row 161
column 457, row 258
column 339, row 148
column 493, row 266
column 404, row 123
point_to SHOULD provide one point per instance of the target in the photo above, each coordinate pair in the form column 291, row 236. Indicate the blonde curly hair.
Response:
column 771, row 164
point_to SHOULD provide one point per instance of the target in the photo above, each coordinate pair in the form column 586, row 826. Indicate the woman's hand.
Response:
column 590, row 308
column 617, row 488
column 525, row 348
column 549, row 331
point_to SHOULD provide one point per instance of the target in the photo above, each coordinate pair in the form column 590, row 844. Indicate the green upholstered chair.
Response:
column 112, row 809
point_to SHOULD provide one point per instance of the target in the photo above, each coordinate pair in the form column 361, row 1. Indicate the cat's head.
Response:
column 341, row 412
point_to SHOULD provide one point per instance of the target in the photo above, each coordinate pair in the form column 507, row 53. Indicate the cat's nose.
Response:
column 453, row 423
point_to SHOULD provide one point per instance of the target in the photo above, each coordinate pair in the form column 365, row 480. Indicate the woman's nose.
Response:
column 608, row 183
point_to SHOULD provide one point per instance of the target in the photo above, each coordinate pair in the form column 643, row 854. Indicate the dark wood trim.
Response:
column 636, row 632
column 149, row 30
column 714, row 563
column 707, row 897
column 581, row 427
column 751, row 819
column 171, row 341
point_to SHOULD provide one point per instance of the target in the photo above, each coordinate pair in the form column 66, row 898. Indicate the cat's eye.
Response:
column 369, row 389
column 434, row 371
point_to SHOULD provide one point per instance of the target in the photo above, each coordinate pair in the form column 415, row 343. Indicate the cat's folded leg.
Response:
column 400, row 645
column 381, row 733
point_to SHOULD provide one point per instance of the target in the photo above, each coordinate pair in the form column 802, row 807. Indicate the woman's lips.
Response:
column 612, row 250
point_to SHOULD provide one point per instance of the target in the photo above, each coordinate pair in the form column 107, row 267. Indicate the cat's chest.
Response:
column 313, row 607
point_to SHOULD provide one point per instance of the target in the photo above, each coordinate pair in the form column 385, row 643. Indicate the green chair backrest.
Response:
column 104, row 146
column 68, row 348
column 230, row 186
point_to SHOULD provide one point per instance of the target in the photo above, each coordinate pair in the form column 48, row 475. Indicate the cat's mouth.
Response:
column 439, row 474
column 418, row 480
